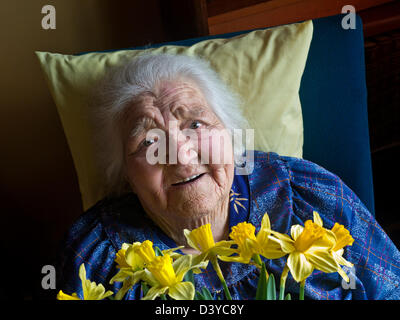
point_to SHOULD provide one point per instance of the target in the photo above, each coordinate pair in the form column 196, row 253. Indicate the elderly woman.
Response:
column 145, row 111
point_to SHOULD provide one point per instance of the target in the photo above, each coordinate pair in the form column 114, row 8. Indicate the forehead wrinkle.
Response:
column 167, row 94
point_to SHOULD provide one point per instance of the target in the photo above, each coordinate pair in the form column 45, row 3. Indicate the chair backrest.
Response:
column 334, row 103
column 333, row 94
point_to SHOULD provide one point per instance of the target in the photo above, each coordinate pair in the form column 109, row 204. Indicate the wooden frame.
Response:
column 193, row 18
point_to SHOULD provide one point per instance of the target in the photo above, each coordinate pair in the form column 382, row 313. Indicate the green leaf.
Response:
column 199, row 296
column 189, row 276
column 271, row 288
column 261, row 293
column 157, row 251
column 145, row 288
column 288, row 297
column 207, row 294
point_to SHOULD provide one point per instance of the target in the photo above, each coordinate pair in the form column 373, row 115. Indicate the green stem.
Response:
column 226, row 290
column 217, row 269
column 283, row 282
column 301, row 293
column 256, row 258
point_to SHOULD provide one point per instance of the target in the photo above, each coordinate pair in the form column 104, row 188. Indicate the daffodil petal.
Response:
column 63, row 296
column 85, row 283
column 171, row 252
column 239, row 259
column 182, row 291
column 127, row 284
column 322, row 260
column 317, row 219
column 265, row 223
column 223, row 251
column 340, row 260
column 199, row 258
column 273, row 249
column 154, row 292
column 299, row 266
column 202, row 265
column 225, row 243
column 192, row 244
column 95, row 292
column 287, row 244
column 148, row 277
column 107, row 294
column 295, row 231
column 262, row 236
column 121, row 275
column 343, row 275
column 133, row 259
column 182, row 265
column 327, row 241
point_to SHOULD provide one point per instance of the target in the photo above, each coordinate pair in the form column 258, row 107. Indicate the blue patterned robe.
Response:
column 289, row 190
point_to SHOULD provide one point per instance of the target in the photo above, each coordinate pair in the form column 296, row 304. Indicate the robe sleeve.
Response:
column 375, row 257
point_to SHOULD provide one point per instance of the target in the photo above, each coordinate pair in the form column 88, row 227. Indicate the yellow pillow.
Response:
column 264, row 66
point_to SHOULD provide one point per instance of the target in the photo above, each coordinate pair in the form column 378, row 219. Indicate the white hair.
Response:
column 122, row 85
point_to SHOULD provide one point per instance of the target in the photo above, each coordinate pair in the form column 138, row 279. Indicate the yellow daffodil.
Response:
column 127, row 258
column 250, row 244
column 63, row 296
column 146, row 251
column 309, row 247
column 343, row 238
column 202, row 240
column 130, row 265
column 131, row 260
column 91, row 291
column 166, row 277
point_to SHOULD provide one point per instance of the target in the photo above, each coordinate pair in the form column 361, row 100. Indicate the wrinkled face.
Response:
column 199, row 168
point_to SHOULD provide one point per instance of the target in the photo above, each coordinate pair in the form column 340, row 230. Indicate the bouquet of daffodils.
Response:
column 167, row 273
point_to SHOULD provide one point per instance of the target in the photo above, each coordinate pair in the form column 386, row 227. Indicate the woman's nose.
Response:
column 182, row 147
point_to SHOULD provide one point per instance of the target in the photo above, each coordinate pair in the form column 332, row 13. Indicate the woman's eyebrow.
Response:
column 141, row 125
column 189, row 112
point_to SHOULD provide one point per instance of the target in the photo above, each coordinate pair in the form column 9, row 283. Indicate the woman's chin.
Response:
column 196, row 198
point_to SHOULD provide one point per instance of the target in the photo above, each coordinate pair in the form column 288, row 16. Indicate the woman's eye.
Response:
column 148, row 142
column 195, row 125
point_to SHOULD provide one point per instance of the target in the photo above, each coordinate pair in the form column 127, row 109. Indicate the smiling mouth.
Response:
column 189, row 180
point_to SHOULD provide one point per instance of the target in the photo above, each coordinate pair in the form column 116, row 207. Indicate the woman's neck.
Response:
column 217, row 218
